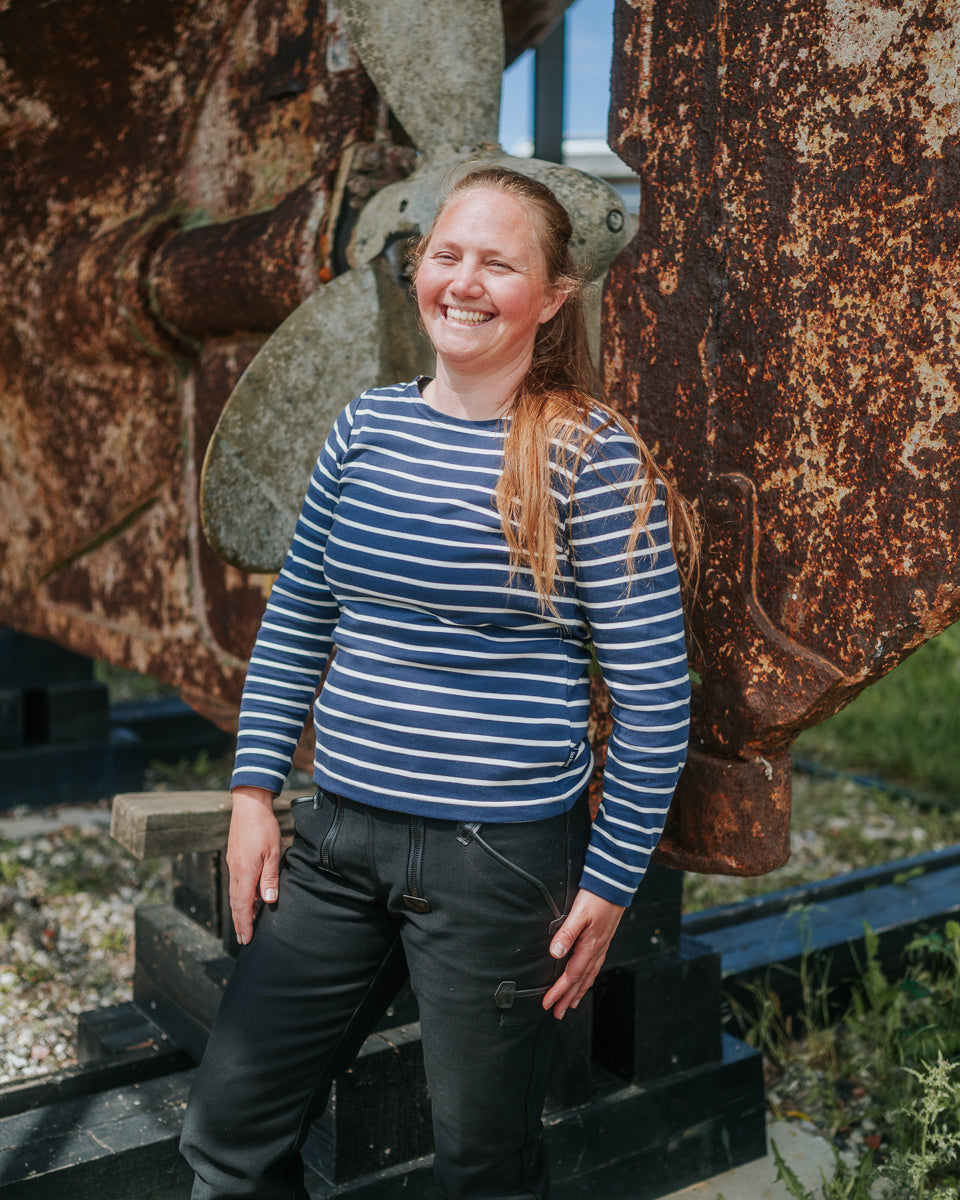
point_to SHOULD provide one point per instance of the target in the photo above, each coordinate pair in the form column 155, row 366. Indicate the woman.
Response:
column 464, row 541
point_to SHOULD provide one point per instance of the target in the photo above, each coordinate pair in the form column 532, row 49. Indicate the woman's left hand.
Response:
column 587, row 931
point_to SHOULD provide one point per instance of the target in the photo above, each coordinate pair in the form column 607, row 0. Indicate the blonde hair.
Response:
column 555, row 400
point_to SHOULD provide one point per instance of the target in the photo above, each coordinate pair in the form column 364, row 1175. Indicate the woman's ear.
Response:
column 553, row 302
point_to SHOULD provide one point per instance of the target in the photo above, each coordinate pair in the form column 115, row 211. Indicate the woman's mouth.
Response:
column 465, row 316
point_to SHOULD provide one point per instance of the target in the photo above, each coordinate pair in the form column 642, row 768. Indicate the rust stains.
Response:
column 166, row 176
column 785, row 328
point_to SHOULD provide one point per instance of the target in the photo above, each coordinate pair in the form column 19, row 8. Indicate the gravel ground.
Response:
column 67, row 895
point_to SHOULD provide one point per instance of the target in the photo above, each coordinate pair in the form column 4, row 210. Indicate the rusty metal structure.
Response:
column 786, row 328
column 175, row 180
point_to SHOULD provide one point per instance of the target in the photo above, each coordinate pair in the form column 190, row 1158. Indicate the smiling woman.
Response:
column 482, row 294
column 466, row 542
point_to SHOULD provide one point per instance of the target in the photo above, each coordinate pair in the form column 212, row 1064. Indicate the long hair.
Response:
column 554, row 402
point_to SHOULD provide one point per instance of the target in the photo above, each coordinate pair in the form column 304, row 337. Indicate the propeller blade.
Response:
column 437, row 65
column 353, row 333
column 601, row 227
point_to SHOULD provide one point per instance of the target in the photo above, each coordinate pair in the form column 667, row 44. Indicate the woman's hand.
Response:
column 587, row 931
column 253, row 856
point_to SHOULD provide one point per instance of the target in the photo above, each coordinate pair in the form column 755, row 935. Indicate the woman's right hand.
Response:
column 253, row 856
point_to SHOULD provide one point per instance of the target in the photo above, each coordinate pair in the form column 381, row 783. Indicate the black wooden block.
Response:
column 197, row 887
column 179, row 974
column 659, row 1015
column 120, row 1142
column 33, row 662
column 11, row 719
column 379, row 1110
column 67, row 713
column 90, row 1079
column 651, row 925
column 70, row 774
column 642, row 1141
column 117, row 1029
column 630, row 1143
column 170, row 730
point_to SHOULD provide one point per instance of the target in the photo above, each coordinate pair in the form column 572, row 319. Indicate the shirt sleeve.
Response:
column 296, row 633
column 636, row 620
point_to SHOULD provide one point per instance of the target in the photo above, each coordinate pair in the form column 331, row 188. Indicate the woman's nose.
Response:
column 466, row 281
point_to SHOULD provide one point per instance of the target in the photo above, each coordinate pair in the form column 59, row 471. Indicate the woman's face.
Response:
column 480, row 284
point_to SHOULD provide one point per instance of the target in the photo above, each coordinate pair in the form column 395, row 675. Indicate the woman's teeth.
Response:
column 468, row 318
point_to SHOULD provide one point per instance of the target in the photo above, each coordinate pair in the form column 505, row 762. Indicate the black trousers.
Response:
column 366, row 895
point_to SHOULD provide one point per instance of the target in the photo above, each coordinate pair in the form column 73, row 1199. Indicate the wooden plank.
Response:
column 121, row 1142
column 749, row 947
column 69, row 1083
column 161, row 824
column 818, row 891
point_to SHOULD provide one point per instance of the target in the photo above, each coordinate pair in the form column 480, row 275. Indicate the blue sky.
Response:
column 589, row 49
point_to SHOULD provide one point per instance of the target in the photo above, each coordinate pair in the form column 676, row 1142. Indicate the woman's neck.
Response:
column 462, row 394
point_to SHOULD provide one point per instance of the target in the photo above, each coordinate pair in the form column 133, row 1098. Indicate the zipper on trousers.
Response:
column 414, row 898
column 470, row 832
column 326, row 846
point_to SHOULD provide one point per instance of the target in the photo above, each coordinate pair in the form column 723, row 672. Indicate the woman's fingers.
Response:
column 253, row 857
column 243, row 899
column 583, row 939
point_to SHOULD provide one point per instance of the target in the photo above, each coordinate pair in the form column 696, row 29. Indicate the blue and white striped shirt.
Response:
column 451, row 694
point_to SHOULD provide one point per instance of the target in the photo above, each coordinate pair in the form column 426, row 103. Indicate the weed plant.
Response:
column 882, row 1080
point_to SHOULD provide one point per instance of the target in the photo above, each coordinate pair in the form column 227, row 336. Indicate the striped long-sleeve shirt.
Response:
column 451, row 693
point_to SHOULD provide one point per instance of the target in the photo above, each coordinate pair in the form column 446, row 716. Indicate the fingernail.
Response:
column 241, row 939
column 557, row 949
column 575, row 1004
column 270, row 896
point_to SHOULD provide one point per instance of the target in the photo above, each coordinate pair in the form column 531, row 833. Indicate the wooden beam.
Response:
column 162, row 824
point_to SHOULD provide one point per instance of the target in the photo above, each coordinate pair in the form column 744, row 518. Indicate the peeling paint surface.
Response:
column 785, row 327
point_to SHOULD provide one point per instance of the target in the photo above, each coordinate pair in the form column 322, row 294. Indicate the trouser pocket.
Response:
column 533, row 869
column 468, row 833
column 317, row 821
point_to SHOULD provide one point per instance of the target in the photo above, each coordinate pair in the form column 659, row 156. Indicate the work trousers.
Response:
column 366, row 895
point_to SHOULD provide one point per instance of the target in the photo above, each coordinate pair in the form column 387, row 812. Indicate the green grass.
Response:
column 904, row 729
column 881, row 1080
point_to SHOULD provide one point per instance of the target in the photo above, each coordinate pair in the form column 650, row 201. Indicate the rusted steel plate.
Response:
column 785, row 329
column 166, row 172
